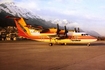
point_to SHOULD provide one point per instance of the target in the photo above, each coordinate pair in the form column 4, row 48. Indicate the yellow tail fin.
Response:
column 22, row 28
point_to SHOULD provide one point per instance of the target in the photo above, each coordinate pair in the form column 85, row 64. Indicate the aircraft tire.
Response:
column 51, row 44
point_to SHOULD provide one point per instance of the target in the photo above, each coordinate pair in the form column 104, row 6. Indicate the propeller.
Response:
column 66, row 31
column 58, row 30
column 78, row 29
column 75, row 29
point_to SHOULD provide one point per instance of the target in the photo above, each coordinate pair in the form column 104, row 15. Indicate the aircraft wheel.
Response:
column 65, row 43
column 51, row 44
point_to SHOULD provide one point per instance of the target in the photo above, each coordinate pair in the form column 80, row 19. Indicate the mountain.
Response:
column 33, row 19
column 72, row 25
column 13, row 10
column 93, row 33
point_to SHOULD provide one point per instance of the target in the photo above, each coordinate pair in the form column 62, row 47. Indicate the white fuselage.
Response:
column 73, row 37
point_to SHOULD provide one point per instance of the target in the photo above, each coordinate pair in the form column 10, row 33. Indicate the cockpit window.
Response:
column 84, row 34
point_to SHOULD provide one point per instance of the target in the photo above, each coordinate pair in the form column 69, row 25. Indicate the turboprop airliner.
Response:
column 53, row 36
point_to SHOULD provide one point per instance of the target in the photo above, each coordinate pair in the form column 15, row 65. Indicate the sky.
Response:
column 86, row 14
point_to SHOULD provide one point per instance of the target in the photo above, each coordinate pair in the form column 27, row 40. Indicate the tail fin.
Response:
column 21, row 26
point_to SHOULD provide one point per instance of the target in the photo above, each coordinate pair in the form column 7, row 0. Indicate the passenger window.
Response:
column 82, row 34
column 86, row 34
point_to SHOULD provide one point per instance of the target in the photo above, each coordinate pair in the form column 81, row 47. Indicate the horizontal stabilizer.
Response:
column 14, row 17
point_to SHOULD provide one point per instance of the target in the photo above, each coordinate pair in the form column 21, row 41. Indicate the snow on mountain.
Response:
column 66, row 23
column 14, row 10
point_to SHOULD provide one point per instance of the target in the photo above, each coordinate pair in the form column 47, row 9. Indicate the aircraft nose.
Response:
column 95, row 39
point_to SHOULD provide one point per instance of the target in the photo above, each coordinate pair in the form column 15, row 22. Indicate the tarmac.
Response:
column 31, row 55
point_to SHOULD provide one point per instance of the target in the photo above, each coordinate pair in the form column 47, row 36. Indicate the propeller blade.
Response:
column 58, row 30
column 75, row 29
column 66, row 31
column 78, row 29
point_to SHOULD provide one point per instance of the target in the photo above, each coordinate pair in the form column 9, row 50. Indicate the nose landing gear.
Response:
column 88, row 44
column 51, row 44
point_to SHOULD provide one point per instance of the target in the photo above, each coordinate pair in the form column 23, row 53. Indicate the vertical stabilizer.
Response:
column 21, row 26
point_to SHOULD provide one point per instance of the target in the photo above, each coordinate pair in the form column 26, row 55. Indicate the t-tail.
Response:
column 22, row 28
